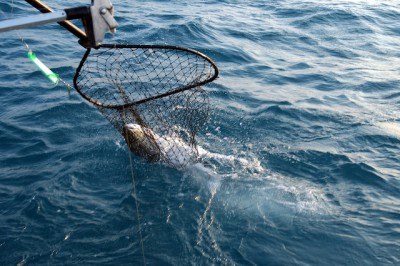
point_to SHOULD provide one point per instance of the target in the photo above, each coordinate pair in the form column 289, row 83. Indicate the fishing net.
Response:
column 151, row 95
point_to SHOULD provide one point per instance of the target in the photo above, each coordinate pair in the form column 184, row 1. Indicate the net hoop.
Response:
column 209, row 77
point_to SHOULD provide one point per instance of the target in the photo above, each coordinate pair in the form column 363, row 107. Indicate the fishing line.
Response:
column 135, row 197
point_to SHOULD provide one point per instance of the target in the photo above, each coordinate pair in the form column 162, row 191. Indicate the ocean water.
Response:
column 303, row 142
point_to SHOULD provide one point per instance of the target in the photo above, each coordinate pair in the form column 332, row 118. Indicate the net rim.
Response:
column 143, row 46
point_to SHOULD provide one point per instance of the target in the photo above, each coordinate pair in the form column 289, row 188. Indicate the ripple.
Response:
column 302, row 143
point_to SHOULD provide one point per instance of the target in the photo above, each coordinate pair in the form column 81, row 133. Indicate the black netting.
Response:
column 117, row 75
column 152, row 96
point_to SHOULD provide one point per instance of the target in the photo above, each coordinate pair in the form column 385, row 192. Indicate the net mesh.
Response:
column 151, row 95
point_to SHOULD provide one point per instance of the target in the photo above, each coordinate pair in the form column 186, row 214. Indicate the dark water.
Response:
column 304, row 141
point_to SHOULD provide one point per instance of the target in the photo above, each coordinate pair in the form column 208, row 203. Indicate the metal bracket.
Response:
column 102, row 12
column 97, row 20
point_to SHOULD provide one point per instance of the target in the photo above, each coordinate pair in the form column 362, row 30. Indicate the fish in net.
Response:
column 152, row 95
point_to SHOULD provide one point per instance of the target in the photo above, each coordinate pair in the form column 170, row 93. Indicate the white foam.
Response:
column 275, row 193
column 252, row 165
column 177, row 152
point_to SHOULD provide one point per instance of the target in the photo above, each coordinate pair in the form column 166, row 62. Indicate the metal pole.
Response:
column 30, row 21
column 97, row 20
column 66, row 24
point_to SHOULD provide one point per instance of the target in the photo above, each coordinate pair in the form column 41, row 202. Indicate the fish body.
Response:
column 170, row 150
column 142, row 142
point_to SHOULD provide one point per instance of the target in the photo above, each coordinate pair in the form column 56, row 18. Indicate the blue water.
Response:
column 303, row 140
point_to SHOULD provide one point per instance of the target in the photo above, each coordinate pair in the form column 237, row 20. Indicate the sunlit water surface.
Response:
column 302, row 144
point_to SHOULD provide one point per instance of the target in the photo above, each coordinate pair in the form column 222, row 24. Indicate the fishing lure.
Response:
column 53, row 77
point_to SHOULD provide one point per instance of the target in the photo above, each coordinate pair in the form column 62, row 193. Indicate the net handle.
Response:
column 139, row 46
column 97, row 19
column 39, row 5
